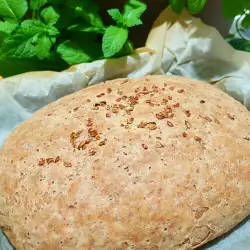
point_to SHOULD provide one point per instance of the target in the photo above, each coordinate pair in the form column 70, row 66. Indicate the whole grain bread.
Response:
column 152, row 163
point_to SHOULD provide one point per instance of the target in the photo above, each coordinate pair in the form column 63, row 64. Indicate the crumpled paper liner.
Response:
column 177, row 45
column 186, row 46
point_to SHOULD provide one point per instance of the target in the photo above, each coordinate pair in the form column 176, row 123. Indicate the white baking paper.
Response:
column 177, row 45
column 186, row 46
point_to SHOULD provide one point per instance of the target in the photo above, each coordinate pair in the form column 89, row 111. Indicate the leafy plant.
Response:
column 230, row 8
column 54, row 34
column 240, row 44
column 241, row 9
column 193, row 6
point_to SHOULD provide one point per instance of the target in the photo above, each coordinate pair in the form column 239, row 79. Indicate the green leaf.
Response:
column 231, row 8
column 37, row 4
column 128, row 49
column 53, row 39
column 246, row 21
column 7, row 27
column 43, row 46
column 196, row 6
column 21, row 43
column 32, row 26
column 26, row 40
column 178, row 5
column 87, row 10
column 13, row 10
column 87, row 45
column 240, row 44
column 49, row 15
column 51, row 30
column 133, row 10
column 116, row 16
column 113, row 40
column 92, row 19
column 72, row 53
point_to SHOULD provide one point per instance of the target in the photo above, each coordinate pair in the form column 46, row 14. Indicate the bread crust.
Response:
column 151, row 163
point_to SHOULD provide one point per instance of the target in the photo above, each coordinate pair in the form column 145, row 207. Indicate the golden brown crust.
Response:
column 152, row 163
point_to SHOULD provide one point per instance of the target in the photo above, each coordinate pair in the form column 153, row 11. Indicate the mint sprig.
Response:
column 54, row 34
column 115, row 37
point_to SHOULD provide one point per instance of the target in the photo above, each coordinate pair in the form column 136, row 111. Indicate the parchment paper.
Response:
column 186, row 46
column 177, row 45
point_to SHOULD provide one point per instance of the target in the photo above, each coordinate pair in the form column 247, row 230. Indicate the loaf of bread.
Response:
column 151, row 163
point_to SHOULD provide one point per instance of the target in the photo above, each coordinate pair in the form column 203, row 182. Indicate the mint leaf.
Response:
column 196, row 6
column 53, row 40
column 26, row 40
column 32, row 27
column 51, row 30
column 113, row 40
column 7, row 27
column 133, row 10
column 178, row 5
column 231, row 9
column 240, row 44
column 246, row 22
column 50, row 16
column 37, row 4
column 43, row 46
column 87, row 10
column 116, row 16
column 82, row 47
column 72, row 53
column 92, row 19
column 127, row 49
column 20, row 45
column 13, row 10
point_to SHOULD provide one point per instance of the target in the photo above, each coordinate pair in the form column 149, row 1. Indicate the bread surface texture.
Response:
column 156, row 163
